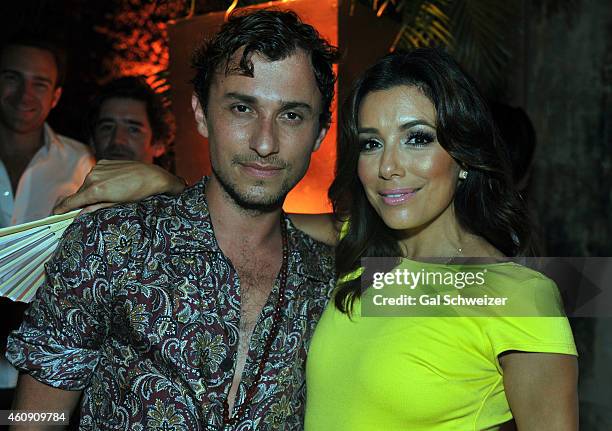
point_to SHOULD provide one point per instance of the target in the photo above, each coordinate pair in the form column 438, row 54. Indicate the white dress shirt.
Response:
column 57, row 170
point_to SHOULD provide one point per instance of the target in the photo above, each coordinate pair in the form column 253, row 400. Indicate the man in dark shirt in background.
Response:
column 128, row 120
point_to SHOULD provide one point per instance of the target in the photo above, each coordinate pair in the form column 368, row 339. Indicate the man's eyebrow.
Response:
column 37, row 78
column 13, row 71
column 43, row 79
column 121, row 120
column 404, row 126
column 297, row 105
column 241, row 97
column 253, row 100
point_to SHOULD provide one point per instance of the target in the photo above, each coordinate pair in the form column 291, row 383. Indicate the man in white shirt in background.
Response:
column 37, row 166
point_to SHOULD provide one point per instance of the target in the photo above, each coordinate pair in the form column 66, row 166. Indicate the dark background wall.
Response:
column 568, row 94
column 561, row 74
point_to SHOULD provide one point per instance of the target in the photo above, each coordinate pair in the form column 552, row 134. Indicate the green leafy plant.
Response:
column 474, row 31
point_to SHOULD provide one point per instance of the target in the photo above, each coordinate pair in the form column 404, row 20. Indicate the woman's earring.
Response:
column 463, row 174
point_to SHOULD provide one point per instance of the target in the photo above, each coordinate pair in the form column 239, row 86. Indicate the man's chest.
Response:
column 255, row 281
column 183, row 320
column 189, row 311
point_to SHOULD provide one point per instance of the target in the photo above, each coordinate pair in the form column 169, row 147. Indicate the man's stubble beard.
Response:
column 256, row 204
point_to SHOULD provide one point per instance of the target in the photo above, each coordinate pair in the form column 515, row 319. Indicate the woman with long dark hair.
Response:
column 421, row 172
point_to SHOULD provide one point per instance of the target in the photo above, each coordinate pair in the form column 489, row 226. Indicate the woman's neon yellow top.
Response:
column 424, row 373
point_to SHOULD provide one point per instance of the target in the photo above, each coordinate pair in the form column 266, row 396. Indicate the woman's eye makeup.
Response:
column 419, row 138
column 414, row 138
column 368, row 144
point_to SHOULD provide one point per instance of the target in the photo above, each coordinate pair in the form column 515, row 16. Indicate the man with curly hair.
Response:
column 195, row 312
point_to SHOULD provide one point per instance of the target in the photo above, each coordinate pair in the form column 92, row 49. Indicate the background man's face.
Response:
column 123, row 132
column 263, row 129
column 28, row 78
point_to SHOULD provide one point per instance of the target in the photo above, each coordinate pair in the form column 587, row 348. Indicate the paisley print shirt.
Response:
column 141, row 311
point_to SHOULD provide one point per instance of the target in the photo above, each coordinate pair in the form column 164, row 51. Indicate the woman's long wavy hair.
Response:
column 486, row 203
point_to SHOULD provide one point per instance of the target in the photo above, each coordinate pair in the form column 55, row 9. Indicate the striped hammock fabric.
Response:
column 24, row 250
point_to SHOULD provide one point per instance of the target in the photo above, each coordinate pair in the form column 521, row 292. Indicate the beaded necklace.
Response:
column 276, row 320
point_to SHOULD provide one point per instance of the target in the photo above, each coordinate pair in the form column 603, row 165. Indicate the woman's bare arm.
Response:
column 542, row 390
column 322, row 227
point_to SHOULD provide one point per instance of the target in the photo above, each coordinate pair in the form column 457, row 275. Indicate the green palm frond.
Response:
column 424, row 24
column 474, row 31
column 480, row 29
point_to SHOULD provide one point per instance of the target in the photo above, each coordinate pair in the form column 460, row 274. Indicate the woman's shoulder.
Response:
column 322, row 227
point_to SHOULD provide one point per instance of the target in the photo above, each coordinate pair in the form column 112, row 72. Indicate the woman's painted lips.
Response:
column 397, row 196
